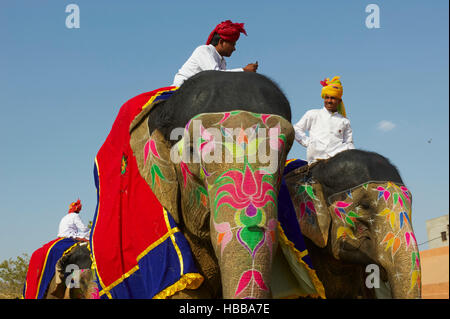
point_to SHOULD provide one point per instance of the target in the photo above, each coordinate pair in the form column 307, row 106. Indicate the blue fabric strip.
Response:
column 54, row 255
column 286, row 213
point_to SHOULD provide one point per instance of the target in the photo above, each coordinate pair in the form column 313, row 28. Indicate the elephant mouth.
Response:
column 361, row 243
column 357, row 251
column 349, row 247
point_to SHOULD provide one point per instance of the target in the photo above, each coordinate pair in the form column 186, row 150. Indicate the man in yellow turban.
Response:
column 329, row 128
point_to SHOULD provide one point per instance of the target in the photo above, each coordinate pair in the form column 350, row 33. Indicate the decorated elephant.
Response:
column 60, row 269
column 213, row 154
column 355, row 213
column 222, row 191
column 73, row 277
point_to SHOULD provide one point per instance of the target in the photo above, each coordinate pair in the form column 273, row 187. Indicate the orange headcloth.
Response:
column 75, row 207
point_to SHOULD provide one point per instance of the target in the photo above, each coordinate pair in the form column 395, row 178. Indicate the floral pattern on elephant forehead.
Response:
column 245, row 143
column 383, row 191
column 228, row 115
column 245, row 140
column 247, row 192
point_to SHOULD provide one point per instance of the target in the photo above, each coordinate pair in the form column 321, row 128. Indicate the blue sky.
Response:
column 60, row 88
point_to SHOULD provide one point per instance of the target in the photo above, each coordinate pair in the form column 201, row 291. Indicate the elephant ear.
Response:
column 310, row 206
column 152, row 153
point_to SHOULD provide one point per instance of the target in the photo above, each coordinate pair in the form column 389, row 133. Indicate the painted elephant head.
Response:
column 357, row 206
column 219, row 173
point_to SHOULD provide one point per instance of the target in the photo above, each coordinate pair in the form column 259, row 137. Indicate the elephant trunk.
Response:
column 242, row 169
column 398, row 254
column 243, row 233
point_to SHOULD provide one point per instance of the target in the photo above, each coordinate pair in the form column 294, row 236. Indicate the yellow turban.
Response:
column 334, row 88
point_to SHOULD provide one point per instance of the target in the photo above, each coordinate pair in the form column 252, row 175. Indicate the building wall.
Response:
column 435, row 228
column 435, row 273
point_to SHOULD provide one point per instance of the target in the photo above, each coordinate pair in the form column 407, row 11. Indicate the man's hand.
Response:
column 252, row 67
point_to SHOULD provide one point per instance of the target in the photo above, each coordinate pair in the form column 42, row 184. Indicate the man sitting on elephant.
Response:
column 71, row 225
column 221, row 43
column 329, row 128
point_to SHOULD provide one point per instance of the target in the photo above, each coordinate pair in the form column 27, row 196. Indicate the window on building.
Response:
column 444, row 236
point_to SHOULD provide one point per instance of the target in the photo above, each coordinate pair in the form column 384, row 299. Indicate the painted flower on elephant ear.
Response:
column 150, row 149
column 185, row 171
column 339, row 209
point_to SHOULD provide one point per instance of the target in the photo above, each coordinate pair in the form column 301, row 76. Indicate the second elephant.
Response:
column 355, row 213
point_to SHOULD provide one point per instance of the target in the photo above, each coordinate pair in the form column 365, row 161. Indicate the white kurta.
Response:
column 204, row 57
column 71, row 225
column 329, row 134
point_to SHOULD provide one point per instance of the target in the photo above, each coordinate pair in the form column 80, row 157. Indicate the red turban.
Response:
column 75, row 207
column 228, row 31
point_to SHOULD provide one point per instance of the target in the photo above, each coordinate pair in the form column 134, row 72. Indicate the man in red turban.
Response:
column 221, row 43
column 71, row 225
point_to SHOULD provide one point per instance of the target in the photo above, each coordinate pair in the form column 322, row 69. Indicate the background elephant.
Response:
column 213, row 155
column 73, row 277
column 355, row 211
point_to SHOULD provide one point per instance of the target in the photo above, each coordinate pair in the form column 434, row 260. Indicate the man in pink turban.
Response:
column 221, row 43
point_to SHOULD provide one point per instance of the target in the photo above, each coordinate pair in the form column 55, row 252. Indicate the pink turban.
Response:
column 75, row 207
column 228, row 31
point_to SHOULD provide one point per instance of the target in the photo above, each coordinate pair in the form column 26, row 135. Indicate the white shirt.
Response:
column 329, row 134
column 71, row 225
column 204, row 57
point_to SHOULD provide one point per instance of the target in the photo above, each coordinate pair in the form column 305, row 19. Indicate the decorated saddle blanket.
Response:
column 42, row 266
column 137, row 249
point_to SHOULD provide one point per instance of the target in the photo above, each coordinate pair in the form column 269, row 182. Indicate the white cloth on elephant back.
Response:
column 329, row 134
column 204, row 57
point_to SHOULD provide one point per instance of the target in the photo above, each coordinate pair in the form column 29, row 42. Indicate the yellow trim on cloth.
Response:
column 187, row 281
column 150, row 101
column 68, row 250
column 174, row 242
column 298, row 258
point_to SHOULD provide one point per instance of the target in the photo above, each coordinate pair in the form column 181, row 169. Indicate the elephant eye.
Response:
column 364, row 205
